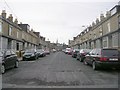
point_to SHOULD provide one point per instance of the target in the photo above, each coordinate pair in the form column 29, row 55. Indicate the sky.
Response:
column 57, row 19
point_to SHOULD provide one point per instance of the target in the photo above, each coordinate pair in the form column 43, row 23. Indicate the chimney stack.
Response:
column 32, row 30
column 10, row 18
column 97, row 21
column 43, row 38
column 16, row 21
column 108, row 14
column 4, row 14
column 102, row 17
column 93, row 24
column 74, row 38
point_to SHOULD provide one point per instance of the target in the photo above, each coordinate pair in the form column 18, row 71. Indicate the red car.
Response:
column 103, row 58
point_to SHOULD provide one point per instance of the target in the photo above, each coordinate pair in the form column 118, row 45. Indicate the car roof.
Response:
column 106, row 49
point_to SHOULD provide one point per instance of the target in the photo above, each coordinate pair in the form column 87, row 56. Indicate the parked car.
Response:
column 63, row 50
column 105, row 58
column 82, row 53
column 54, row 50
column 40, row 52
column 30, row 54
column 8, row 59
column 47, row 52
column 75, row 52
column 68, row 51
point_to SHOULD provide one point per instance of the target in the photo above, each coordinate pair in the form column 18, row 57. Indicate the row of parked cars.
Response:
column 97, row 58
column 34, row 54
column 9, row 59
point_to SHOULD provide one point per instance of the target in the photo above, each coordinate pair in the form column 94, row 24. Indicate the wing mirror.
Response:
column 7, row 56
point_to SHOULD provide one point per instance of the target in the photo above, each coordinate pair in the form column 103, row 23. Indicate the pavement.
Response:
column 58, row 70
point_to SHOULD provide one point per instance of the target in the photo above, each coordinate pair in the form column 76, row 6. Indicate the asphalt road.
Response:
column 58, row 70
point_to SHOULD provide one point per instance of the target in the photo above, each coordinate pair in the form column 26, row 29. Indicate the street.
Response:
column 58, row 70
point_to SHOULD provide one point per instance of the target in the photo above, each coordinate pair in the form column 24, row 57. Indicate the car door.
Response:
column 91, row 56
column 7, row 59
column 1, row 55
column 13, row 58
column 88, row 57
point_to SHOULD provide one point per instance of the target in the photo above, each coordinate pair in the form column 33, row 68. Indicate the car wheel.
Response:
column 3, row 69
column 94, row 66
column 85, row 62
column 35, row 57
column 77, row 58
column 23, row 59
column 80, row 60
column 16, row 64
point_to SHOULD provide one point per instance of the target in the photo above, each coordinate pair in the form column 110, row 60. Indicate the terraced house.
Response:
column 30, row 40
column 104, row 33
column 10, row 33
column 18, row 36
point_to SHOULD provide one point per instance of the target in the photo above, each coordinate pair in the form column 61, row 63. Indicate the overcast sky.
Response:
column 57, row 19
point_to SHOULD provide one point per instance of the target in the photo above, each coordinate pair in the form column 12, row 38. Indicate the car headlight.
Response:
column 32, row 55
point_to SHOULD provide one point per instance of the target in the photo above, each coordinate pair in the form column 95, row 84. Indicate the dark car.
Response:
column 30, row 55
column 82, row 53
column 75, row 52
column 104, row 58
column 8, row 60
column 41, row 52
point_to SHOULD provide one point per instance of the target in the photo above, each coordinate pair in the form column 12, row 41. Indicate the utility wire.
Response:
column 10, row 8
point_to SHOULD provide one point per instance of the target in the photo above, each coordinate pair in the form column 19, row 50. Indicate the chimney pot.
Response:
column 102, row 17
column 108, row 14
column 32, row 30
column 97, row 21
column 93, row 24
column 16, row 21
column 10, row 18
column 4, row 14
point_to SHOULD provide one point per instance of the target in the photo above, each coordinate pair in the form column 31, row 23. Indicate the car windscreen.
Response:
column 87, row 50
column 39, row 51
column 76, row 51
column 29, row 51
column 110, row 53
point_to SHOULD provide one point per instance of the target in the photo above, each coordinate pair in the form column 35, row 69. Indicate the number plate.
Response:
column 27, row 57
column 113, row 59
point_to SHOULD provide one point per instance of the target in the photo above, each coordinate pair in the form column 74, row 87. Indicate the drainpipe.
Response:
column 119, row 39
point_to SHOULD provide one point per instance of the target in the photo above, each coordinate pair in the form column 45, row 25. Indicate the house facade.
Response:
column 103, row 33
column 10, row 37
column 18, row 36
